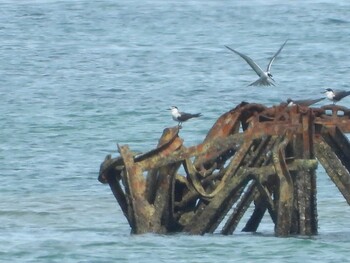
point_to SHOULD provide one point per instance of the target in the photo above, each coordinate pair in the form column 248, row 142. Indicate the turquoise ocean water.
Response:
column 78, row 77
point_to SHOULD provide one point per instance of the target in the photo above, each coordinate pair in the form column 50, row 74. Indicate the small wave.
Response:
column 116, row 90
column 336, row 21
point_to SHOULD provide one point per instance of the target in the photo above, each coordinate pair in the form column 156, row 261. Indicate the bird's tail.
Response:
column 196, row 115
column 262, row 82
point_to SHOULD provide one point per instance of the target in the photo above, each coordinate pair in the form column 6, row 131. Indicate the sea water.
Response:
column 78, row 77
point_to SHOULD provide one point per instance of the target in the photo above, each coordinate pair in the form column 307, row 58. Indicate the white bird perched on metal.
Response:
column 265, row 77
column 335, row 95
column 181, row 117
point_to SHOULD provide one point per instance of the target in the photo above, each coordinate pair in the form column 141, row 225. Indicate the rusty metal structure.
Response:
column 263, row 157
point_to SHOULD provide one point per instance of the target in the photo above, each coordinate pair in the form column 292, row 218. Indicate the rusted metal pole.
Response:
column 285, row 191
column 167, row 138
column 140, row 212
column 305, row 212
column 334, row 167
column 241, row 207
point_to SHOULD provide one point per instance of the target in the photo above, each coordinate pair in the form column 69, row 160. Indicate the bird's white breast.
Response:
column 330, row 95
column 175, row 114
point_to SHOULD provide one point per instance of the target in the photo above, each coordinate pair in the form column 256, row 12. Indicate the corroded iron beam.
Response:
column 285, row 192
column 333, row 166
column 333, row 115
column 212, row 150
column 140, row 213
column 247, row 197
column 169, row 141
column 304, row 217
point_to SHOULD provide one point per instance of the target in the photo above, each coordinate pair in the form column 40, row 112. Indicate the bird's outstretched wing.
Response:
column 274, row 56
column 251, row 63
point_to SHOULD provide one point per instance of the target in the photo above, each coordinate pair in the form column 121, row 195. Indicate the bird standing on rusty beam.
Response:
column 265, row 77
column 335, row 95
column 181, row 117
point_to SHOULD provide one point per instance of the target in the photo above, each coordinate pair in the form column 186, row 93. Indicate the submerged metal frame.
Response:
column 271, row 163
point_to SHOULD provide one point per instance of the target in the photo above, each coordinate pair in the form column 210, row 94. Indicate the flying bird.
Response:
column 181, row 117
column 306, row 102
column 265, row 77
column 335, row 95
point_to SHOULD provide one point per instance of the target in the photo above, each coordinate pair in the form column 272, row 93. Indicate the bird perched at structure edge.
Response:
column 265, row 77
column 181, row 117
column 335, row 95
